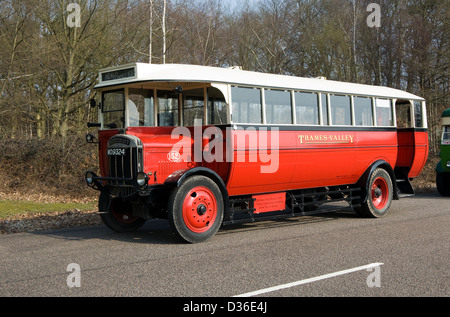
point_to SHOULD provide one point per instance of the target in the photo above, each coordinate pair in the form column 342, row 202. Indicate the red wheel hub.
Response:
column 380, row 193
column 199, row 209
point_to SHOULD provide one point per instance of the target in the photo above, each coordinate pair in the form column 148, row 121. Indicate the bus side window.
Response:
column 340, row 110
column 307, row 108
column 363, row 111
column 278, row 106
column 246, row 105
column 418, row 114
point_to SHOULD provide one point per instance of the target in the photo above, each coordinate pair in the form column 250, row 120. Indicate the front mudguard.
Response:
column 177, row 178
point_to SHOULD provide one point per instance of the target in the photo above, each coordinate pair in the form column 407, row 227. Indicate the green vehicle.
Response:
column 443, row 167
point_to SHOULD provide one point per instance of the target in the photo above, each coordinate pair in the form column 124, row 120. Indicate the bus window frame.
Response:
column 262, row 101
column 325, row 119
column 124, row 109
column 330, row 112
column 318, row 96
column 423, row 117
column 151, row 91
column 287, row 93
column 123, row 90
column 392, row 106
column 372, row 114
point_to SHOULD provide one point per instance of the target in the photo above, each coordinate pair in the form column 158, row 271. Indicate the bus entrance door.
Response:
column 406, row 148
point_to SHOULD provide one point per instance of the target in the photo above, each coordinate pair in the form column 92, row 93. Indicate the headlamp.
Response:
column 89, row 177
column 142, row 179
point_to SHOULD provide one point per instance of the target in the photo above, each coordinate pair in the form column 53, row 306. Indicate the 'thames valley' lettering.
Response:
column 326, row 139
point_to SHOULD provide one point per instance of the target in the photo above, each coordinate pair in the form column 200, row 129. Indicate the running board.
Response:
column 405, row 188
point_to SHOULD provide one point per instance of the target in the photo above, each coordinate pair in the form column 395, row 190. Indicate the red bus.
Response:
column 205, row 146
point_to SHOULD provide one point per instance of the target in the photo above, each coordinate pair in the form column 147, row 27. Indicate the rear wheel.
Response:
column 119, row 216
column 379, row 196
column 443, row 184
column 195, row 209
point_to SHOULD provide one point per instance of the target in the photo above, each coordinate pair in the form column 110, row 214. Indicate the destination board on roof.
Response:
column 118, row 74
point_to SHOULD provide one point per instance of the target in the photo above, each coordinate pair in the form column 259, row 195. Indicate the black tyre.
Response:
column 196, row 209
column 443, row 184
column 379, row 195
column 118, row 217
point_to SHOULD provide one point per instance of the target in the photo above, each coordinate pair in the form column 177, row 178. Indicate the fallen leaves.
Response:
column 49, row 221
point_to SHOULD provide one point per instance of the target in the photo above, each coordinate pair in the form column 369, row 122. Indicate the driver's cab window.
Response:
column 113, row 109
column 168, row 108
column 217, row 107
column 403, row 109
column 193, row 107
column 141, row 108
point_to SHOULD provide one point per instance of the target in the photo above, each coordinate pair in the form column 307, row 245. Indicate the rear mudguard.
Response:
column 363, row 182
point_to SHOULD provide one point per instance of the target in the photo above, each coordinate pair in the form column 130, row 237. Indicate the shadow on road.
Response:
column 159, row 232
column 154, row 232
column 428, row 195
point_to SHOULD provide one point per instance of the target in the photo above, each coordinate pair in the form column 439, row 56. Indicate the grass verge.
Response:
column 9, row 208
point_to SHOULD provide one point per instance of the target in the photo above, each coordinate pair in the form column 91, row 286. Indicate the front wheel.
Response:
column 196, row 209
column 117, row 214
column 379, row 196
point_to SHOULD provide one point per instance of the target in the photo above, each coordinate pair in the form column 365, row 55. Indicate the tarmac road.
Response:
column 410, row 249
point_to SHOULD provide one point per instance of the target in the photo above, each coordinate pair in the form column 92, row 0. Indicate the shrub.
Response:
column 55, row 165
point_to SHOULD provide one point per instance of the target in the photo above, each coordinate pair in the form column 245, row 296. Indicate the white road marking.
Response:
column 309, row 280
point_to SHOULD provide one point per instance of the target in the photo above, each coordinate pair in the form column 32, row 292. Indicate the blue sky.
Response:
column 239, row 2
column 231, row 4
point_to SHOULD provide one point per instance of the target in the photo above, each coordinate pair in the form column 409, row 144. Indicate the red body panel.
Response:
column 311, row 159
column 280, row 160
column 163, row 154
column 412, row 150
column 158, row 144
column 421, row 153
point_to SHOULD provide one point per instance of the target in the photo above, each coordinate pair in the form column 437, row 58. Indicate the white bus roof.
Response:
column 141, row 72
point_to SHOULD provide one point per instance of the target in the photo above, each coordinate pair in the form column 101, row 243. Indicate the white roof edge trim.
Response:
column 195, row 73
